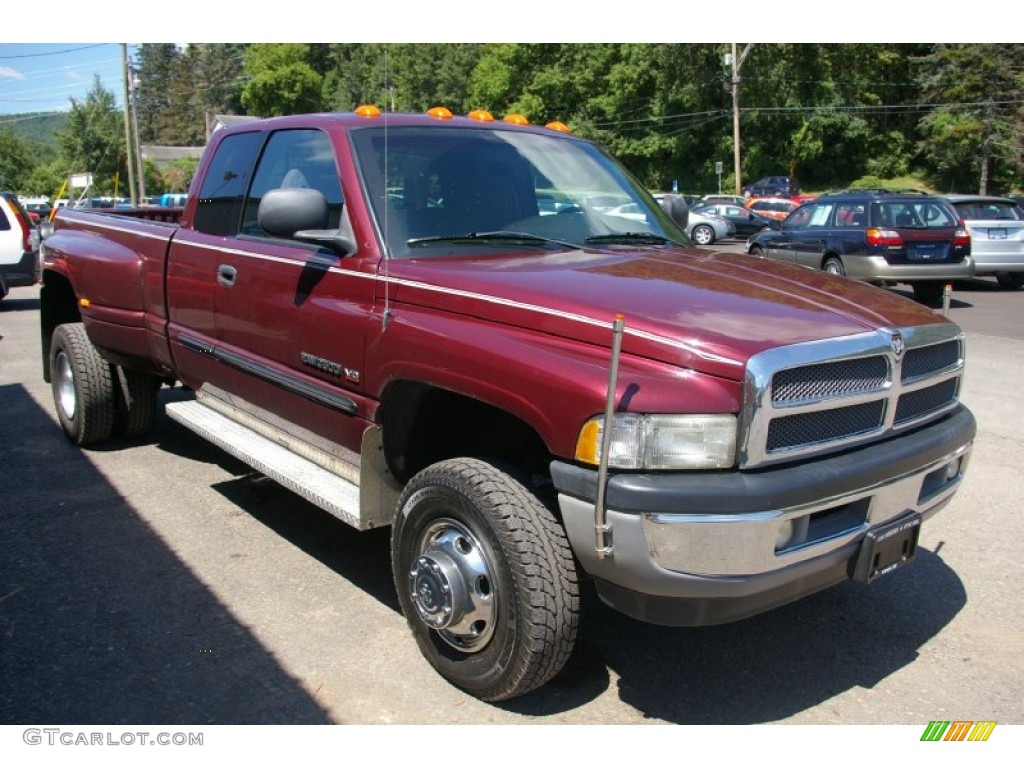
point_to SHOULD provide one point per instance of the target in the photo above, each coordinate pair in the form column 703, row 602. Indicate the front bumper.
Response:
column 700, row 548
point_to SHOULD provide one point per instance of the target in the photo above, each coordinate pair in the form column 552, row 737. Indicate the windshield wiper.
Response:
column 627, row 238
column 524, row 238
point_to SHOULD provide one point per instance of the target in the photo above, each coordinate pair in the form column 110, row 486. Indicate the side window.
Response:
column 4, row 224
column 223, row 192
column 295, row 158
column 851, row 215
column 821, row 215
column 800, row 218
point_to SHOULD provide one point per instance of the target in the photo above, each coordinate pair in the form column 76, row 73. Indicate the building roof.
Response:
column 166, row 154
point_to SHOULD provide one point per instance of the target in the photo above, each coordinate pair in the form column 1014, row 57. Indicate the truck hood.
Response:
column 699, row 309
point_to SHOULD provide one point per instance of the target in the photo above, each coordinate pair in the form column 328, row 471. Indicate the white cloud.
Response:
column 77, row 77
column 11, row 74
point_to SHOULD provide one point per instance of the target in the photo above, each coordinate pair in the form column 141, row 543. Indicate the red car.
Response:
column 776, row 208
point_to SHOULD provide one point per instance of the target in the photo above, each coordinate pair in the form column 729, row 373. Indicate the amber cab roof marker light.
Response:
column 482, row 115
column 441, row 113
column 367, row 110
column 516, row 119
column 558, row 125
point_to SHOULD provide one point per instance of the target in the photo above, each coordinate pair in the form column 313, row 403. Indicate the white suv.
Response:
column 19, row 245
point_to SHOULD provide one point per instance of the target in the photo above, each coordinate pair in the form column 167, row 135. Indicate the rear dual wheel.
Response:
column 485, row 577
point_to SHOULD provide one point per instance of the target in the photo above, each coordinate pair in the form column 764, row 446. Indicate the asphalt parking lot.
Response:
column 160, row 581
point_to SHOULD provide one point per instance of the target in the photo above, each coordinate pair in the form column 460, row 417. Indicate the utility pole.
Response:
column 128, row 143
column 737, row 62
column 132, row 86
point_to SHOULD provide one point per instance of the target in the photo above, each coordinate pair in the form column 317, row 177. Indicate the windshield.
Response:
column 446, row 190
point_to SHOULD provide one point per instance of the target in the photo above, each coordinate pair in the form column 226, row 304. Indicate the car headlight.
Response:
column 661, row 441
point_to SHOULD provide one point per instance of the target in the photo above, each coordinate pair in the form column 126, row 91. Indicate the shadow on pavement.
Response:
column 759, row 670
column 100, row 623
column 780, row 663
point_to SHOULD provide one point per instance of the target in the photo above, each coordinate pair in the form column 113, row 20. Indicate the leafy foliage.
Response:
column 951, row 115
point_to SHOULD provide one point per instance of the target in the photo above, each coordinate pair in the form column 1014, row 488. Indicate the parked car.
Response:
column 773, row 186
column 19, row 245
column 776, row 208
column 706, row 228
column 703, row 229
column 877, row 237
column 730, row 199
column 996, row 225
column 38, row 211
column 746, row 221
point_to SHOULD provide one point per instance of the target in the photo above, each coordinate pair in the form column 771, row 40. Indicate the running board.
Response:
column 310, row 481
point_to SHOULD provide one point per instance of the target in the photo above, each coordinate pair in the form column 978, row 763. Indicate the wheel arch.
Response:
column 423, row 424
column 58, row 304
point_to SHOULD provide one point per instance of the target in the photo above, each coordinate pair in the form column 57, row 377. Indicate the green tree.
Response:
column 280, row 80
column 15, row 161
column 93, row 138
column 973, row 135
column 218, row 79
column 156, row 65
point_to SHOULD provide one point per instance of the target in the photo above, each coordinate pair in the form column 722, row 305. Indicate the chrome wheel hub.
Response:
column 452, row 588
column 66, row 386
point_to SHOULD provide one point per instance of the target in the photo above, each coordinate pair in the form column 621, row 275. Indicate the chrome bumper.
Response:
column 703, row 549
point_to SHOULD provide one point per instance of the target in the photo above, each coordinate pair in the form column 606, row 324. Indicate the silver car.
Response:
column 705, row 229
column 996, row 225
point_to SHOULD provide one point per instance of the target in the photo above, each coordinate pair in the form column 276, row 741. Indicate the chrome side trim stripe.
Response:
column 319, row 394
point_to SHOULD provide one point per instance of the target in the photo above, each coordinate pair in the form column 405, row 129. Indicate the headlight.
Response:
column 661, row 441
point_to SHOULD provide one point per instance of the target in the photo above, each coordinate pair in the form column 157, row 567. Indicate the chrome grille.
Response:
column 913, row 405
column 788, row 432
column 927, row 360
column 817, row 382
column 820, row 397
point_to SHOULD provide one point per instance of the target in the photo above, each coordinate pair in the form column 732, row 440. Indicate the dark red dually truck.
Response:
column 446, row 325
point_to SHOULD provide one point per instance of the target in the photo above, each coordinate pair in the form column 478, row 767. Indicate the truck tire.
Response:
column 929, row 292
column 485, row 577
column 135, row 403
column 82, row 385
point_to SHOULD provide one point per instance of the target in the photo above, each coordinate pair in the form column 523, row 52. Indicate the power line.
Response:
column 55, row 53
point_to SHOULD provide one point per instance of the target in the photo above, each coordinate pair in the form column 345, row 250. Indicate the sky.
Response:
column 44, row 77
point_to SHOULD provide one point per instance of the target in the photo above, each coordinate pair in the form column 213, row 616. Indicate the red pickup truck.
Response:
column 440, row 324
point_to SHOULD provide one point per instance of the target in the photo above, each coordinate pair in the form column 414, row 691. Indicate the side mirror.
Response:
column 302, row 214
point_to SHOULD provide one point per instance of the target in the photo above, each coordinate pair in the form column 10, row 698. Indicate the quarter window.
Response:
column 220, row 200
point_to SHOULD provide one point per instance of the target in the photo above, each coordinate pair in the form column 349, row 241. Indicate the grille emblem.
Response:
column 897, row 345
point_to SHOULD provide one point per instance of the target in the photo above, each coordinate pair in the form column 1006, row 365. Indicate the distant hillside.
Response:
column 40, row 127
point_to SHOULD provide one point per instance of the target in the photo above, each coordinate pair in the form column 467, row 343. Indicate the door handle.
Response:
column 226, row 275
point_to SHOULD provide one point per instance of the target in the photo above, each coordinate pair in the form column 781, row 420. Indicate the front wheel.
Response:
column 756, row 250
column 703, row 234
column 485, row 578
column 82, row 384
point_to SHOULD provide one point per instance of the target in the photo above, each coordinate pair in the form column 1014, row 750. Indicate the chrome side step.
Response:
column 300, row 475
